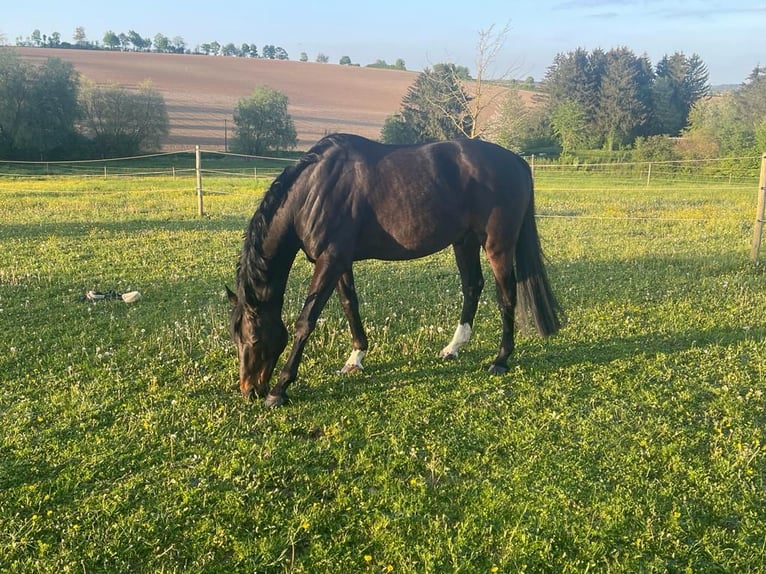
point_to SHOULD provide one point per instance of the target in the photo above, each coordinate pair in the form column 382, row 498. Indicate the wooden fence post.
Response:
column 198, row 162
column 759, row 214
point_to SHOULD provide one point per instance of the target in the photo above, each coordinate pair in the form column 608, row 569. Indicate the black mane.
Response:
column 252, row 265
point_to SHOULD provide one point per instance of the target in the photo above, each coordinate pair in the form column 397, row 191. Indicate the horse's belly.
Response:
column 402, row 242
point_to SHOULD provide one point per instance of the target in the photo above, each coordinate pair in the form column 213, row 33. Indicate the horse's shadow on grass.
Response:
column 394, row 375
column 654, row 275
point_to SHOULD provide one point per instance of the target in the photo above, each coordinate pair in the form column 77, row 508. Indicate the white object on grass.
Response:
column 131, row 296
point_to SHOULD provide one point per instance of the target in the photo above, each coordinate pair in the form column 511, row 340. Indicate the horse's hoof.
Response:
column 274, row 401
column 497, row 369
column 447, row 355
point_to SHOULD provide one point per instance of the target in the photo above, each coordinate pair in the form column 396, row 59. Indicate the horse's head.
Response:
column 260, row 337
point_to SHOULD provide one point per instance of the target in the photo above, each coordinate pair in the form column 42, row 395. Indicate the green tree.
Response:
column 38, row 106
column 111, row 40
column 696, row 80
column 655, row 148
column 79, row 36
column 434, row 107
column 53, row 109
column 669, row 113
column 679, row 83
column 570, row 126
column 179, row 44
column 345, row 61
column 398, row 132
column 750, row 99
column 575, row 77
column 139, row 43
column 269, row 51
column 731, row 124
column 378, row 64
column 124, row 122
column 262, row 123
column 624, row 105
column 14, row 100
column 622, row 96
column 513, row 124
column 162, row 43
column 400, row 65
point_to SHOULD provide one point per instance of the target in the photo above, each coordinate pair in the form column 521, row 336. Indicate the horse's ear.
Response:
column 231, row 296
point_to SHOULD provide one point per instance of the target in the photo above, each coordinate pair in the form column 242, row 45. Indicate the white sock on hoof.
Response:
column 354, row 362
column 459, row 339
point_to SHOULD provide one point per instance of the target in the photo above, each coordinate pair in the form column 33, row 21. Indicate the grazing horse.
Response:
column 349, row 198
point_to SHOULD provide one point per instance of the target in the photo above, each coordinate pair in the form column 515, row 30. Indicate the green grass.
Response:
column 633, row 441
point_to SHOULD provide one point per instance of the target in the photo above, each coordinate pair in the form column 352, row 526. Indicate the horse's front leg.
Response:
column 326, row 275
column 350, row 303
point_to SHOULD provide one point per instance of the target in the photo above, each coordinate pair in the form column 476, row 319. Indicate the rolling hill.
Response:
column 202, row 91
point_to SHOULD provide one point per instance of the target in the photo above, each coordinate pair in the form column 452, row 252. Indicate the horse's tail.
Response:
column 536, row 302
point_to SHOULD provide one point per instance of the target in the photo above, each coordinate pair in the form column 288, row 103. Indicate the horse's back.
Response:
column 402, row 202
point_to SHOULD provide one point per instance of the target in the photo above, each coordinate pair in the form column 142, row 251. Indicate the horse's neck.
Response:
column 279, row 247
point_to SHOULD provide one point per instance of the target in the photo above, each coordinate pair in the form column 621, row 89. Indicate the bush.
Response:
column 655, row 148
column 263, row 124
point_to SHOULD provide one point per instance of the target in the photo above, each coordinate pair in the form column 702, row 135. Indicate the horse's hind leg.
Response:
column 505, row 281
column 350, row 303
column 472, row 282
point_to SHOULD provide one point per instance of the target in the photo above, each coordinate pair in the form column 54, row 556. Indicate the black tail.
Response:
column 536, row 302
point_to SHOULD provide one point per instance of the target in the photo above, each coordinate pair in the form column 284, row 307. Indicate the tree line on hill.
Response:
column 133, row 41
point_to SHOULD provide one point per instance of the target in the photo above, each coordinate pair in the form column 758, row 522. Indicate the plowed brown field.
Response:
column 202, row 91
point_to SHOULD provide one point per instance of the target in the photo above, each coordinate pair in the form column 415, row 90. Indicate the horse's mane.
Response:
column 253, row 264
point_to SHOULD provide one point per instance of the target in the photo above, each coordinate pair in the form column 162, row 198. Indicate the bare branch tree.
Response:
column 477, row 96
column 487, row 51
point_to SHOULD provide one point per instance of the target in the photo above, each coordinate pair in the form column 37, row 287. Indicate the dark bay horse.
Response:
column 348, row 199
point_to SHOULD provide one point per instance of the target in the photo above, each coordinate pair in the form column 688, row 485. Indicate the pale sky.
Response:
column 727, row 34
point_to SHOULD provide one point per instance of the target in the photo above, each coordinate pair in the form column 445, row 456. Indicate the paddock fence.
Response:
column 199, row 165
column 176, row 164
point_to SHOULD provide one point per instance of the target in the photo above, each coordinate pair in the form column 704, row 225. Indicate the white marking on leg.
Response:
column 354, row 362
column 459, row 339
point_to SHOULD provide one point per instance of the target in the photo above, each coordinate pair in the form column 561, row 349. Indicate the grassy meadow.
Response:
column 634, row 441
